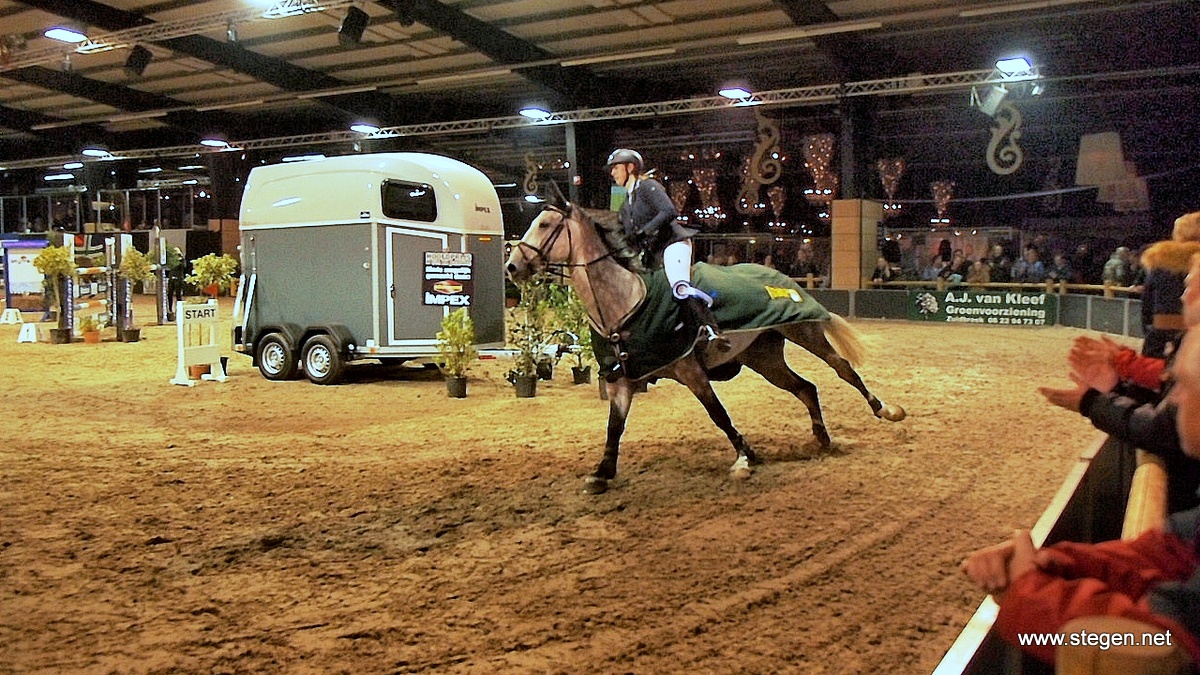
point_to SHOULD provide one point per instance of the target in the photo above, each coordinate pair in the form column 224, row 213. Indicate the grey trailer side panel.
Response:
column 312, row 276
column 487, row 307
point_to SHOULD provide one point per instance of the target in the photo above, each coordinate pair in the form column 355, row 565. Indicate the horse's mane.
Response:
column 610, row 230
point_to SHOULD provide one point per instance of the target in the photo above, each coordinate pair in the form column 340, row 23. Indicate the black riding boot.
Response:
column 708, row 323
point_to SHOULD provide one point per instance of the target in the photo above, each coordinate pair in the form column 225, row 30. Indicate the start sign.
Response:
column 994, row 308
column 448, row 279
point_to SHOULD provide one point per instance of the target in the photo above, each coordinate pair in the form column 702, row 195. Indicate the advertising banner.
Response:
column 448, row 279
column 994, row 308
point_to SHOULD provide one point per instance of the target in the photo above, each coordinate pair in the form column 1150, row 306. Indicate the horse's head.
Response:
column 543, row 245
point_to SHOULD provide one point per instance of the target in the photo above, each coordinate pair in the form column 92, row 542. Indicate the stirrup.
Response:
column 683, row 290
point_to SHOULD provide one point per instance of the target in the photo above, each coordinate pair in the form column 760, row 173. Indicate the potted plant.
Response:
column 575, row 334
column 89, row 328
column 527, row 334
column 456, row 350
column 135, row 267
column 212, row 273
column 57, row 263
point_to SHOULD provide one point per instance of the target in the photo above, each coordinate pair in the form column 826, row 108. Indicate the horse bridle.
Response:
column 558, row 269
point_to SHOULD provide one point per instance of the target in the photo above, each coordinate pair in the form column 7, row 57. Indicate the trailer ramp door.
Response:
column 408, row 318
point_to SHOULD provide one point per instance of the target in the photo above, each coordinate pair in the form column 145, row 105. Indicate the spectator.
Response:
column 1000, row 267
column 1166, row 263
column 1060, row 269
column 934, row 270
column 1154, row 579
column 1116, row 270
column 883, row 271
column 804, row 263
column 957, row 270
column 980, row 273
column 1119, row 394
column 1029, row 270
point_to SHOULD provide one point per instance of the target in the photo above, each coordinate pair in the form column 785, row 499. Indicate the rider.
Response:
column 651, row 221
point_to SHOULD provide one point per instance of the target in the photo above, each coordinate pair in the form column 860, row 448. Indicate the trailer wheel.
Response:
column 276, row 360
column 323, row 362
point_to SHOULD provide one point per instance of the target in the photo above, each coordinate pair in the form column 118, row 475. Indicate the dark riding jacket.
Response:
column 651, row 221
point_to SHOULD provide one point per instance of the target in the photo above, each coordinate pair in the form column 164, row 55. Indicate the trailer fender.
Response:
column 292, row 333
column 340, row 334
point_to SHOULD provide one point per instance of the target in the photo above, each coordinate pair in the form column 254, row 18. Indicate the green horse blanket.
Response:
column 746, row 297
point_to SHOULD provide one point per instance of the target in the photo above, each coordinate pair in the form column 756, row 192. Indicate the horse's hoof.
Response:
column 594, row 485
column 741, row 469
column 892, row 413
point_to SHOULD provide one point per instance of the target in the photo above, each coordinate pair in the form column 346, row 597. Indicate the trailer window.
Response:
column 409, row 201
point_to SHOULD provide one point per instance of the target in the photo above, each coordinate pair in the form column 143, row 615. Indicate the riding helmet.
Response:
column 622, row 155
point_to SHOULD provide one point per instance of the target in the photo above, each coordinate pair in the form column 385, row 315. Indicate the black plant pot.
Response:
column 581, row 375
column 456, row 387
column 525, row 385
column 130, row 335
column 60, row 336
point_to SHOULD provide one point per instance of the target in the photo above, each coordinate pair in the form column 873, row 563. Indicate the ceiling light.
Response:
column 735, row 93
column 71, row 166
column 94, row 152
column 304, row 158
column 64, row 34
column 59, row 176
column 535, row 114
column 153, row 169
column 1013, row 66
column 364, row 128
column 214, row 143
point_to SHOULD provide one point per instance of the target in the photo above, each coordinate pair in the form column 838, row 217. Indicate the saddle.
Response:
column 746, row 298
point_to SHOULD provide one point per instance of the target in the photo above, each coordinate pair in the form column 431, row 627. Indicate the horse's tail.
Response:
column 845, row 340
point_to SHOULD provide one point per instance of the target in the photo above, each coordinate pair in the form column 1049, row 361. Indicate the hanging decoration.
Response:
column 890, row 171
column 710, row 213
column 777, row 196
column 678, row 191
column 818, row 156
column 1005, row 159
column 530, row 184
column 943, row 192
column 764, row 166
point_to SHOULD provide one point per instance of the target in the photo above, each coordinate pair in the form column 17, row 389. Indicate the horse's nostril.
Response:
column 511, row 268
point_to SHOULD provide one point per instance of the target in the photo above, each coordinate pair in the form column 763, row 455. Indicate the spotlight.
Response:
column 353, row 26
column 231, row 32
column 404, row 12
column 139, row 58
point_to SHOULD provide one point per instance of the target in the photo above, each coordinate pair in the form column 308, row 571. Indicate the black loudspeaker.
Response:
column 353, row 26
column 139, row 58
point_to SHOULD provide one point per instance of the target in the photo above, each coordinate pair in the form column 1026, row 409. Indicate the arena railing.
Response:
column 1107, row 469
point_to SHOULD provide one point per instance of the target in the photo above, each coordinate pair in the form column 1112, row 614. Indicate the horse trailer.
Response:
column 360, row 257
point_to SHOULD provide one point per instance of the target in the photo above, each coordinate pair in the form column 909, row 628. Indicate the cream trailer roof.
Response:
column 347, row 189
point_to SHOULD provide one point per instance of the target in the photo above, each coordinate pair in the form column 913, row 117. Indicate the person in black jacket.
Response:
column 1166, row 262
column 652, row 223
column 1151, row 426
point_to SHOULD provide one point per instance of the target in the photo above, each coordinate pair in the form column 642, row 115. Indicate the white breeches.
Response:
column 677, row 263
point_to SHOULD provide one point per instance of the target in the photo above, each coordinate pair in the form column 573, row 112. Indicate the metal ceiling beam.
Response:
column 852, row 54
column 579, row 86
